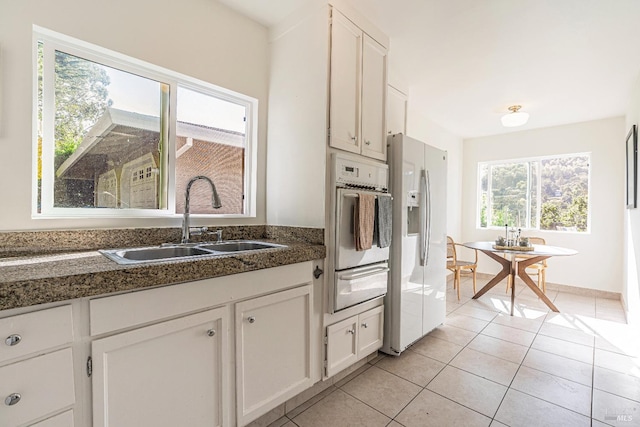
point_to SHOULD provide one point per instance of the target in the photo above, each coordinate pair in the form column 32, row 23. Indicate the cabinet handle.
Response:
column 12, row 399
column 368, row 142
column 251, row 319
column 351, row 331
column 211, row 332
column 13, row 340
column 364, row 325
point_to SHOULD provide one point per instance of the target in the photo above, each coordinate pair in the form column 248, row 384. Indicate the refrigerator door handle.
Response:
column 428, row 219
column 423, row 218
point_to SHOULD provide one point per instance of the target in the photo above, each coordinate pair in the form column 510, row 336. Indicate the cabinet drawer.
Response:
column 32, row 332
column 44, row 383
column 61, row 420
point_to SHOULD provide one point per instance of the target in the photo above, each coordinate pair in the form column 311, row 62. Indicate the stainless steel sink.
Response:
column 183, row 251
column 238, row 246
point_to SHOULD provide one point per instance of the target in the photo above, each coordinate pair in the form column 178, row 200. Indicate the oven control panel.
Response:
column 359, row 172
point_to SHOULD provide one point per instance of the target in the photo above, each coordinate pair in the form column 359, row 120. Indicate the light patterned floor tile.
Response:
column 339, row 409
column 452, row 334
column 617, row 383
column 574, row 335
column 412, row 367
column 617, row 362
column 499, row 348
column 507, row 333
column 432, row 410
column 529, row 324
column 521, row 410
column 578, row 352
column 465, row 322
column 382, row 390
column 565, row 393
column 560, row 366
column 615, row 410
column 469, row 390
column 485, row 366
column 478, row 313
column 436, row 348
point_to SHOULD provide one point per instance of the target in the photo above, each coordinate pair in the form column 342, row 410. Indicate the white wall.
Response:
column 421, row 128
column 599, row 262
column 631, row 282
column 200, row 38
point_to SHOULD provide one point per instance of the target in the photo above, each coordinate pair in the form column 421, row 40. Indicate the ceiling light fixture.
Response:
column 515, row 117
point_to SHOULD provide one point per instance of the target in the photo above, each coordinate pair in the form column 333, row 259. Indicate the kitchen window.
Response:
column 118, row 137
column 544, row 193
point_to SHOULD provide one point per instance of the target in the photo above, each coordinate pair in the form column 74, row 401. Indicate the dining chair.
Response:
column 457, row 266
column 538, row 268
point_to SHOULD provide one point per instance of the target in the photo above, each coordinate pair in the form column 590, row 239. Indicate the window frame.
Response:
column 53, row 41
column 529, row 161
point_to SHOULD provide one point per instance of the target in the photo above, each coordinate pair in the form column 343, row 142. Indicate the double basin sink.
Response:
column 168, row 252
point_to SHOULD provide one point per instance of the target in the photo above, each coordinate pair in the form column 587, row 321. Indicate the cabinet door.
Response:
column 342, row 345
column 396, row 111
column 168, row 374
column 374, row 90
column 346, row 62
column 273, row 356
column 370, row 331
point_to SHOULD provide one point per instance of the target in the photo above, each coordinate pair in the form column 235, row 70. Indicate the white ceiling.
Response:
column 464, row 62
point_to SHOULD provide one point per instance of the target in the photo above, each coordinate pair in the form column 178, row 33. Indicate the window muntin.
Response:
column 550, row 193
column 137, row 102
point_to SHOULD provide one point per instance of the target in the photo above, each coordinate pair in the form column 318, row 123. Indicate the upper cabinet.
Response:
column 396, row 111
column 358, row 90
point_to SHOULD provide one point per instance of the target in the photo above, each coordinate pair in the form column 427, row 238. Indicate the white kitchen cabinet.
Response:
column 273, row 350
column 33, row 388
column 352, row 339
column 172, row 373
column 396, row 112
column 61, row 420
column 358, row 90
column 328, row 75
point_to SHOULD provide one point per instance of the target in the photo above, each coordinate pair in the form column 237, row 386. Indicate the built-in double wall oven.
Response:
column 358, row 275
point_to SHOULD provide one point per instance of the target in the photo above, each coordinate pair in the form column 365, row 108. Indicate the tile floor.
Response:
column 579, row 367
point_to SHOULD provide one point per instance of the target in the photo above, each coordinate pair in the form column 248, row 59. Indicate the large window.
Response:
column 119, row 137
column 547, row 193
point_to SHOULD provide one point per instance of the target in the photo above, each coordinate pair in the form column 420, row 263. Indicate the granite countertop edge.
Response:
column 29, row 281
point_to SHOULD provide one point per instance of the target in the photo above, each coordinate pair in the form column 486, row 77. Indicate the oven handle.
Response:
column 364, row 274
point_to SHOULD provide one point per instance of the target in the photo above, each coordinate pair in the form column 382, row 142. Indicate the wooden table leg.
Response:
column 506, row 270
column 522, row 273
column 513, row 283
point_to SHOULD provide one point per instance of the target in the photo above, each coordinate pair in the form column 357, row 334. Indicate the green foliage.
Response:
column 564, row 193
column 81, row 98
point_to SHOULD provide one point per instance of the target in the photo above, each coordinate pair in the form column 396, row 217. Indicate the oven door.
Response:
column 360, row 284
column 346, row 254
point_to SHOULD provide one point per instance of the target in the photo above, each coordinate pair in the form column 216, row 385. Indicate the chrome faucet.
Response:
column 215, row 203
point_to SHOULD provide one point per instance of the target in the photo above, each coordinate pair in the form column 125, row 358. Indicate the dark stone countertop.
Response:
column 32, row 280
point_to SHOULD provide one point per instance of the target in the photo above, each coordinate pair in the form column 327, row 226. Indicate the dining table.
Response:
column 515, row 264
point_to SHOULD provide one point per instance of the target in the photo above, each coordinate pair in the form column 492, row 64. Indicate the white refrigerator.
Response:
column 415, row 300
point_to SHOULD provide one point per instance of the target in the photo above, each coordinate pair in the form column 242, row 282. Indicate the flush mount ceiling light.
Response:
column 515, row 117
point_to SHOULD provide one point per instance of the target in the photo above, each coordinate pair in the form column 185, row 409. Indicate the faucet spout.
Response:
column 215, row 203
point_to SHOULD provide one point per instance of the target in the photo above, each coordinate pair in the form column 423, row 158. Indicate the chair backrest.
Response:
column 537, row 241
column 451, row 249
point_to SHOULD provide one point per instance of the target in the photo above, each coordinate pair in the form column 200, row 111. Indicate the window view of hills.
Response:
column 547, row 194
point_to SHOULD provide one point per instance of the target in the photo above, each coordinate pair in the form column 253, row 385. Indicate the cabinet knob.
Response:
column 13, row 340
column 354, row 138
column 351, row 331
column 12, row 399
column 368, row 142
column 211, row 332
column 251, row 319
column 364, row 325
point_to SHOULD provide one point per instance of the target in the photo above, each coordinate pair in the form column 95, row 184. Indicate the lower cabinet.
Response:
column 352, row 339
column 168, row 374
column 273, row 350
